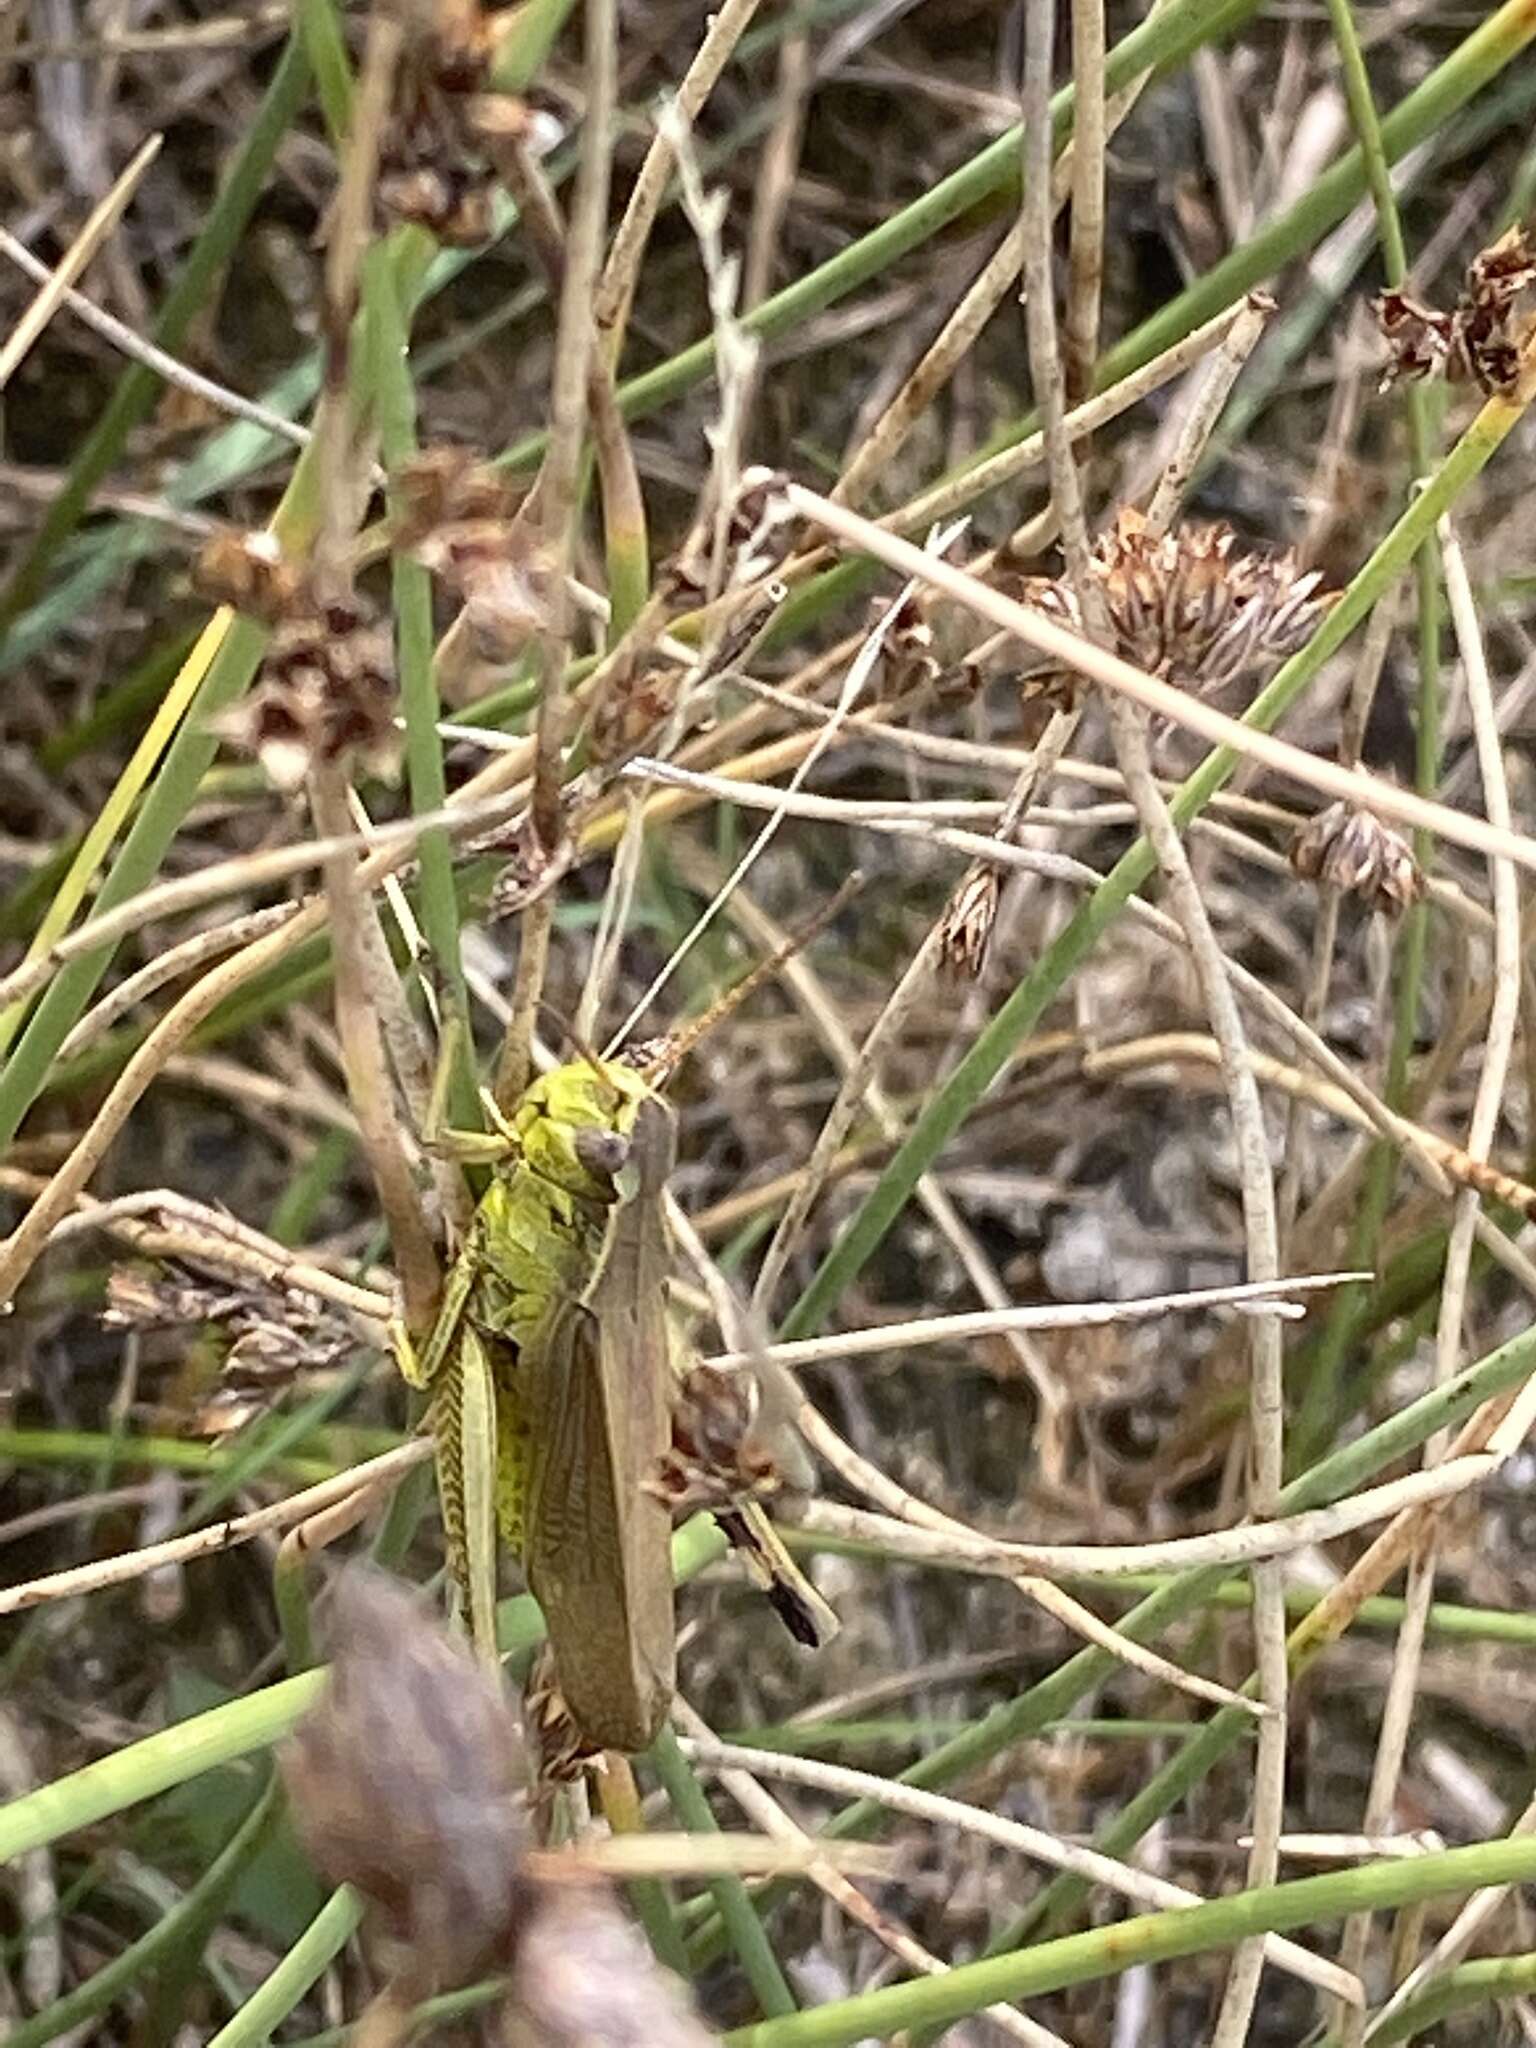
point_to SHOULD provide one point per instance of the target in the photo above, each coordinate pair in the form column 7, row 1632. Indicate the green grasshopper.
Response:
column 552, row 1370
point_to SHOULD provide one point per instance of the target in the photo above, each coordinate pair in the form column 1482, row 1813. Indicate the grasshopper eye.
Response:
column 602, row 1153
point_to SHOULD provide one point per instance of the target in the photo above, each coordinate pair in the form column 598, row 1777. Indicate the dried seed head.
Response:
column 443, row 487
column 1186, row 606
column 433, row 171
column 1496, row 315
column 448, row 40
column 138, row 1299
column 1419, row 339
column 454, row 201
column 326, row 693
column 532, row 867
column 907, row 658
column 458, row 517
column 717, row 1455
column 508, row 591
column 1484, row 337
column 965, row 930
column 630, row 709
column 585, row 1979
column 406, row 1781
column 1353, row 850
column 758, row 534
column 280, row 1336
column 248, row 571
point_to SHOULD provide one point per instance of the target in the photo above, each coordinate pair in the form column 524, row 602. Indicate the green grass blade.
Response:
column 1148, row 1938
column 186, row 1926
column 319, row 1945
column 742, row 1925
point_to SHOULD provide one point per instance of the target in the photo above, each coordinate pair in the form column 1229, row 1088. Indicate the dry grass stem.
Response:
column 1252, row 1543
column 616, row 289
column 138, row 350
column 1060, row 1092
column 858, row 1474
column 933, row 1809
column 860, row 1085
column 766, row 1814
column 1261, row 1297
column 367, row 1478
column 98, row 225
column 369, row 1086
column 1085, row 244
column 1487, row 1107
column 1212, row 387
column 234, row 877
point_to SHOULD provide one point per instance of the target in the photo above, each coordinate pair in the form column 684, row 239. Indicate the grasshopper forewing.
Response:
column 598, row 1388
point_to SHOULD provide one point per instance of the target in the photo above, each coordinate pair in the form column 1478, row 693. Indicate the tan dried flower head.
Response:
column 433, row 171
column 1352, row 850
column 279, row 1337
column 420, row 186
column 1187, row 606
column 637, row 699
column 407, row 1781
column 248, row 571
column 327, row 685
column 908, row 657
column 965, row 930
column 326, row 694
column 141, row 1299
column 759, row 528
column 1484, row 337
column 716, row 1456
column 458, row 517
column 445, row 486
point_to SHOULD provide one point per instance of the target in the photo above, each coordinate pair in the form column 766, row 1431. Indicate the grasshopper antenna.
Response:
column 569, row 1035
column 666, row 1055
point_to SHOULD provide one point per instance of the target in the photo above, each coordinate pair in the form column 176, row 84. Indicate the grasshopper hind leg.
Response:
column 463, row 1417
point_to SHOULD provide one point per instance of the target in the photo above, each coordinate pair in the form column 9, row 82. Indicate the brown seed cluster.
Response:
column 1189, row 606
column 1484, row 337
column 436, row 157
column 459, row 517
column 717, row 1455
column 759, row 527
column 909, row 660
column 965, row 929
column 327, row 686
column 279, row 1336
column 1352, row 850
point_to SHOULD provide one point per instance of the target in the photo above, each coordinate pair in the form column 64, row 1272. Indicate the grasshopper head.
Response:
column 573, row 1125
